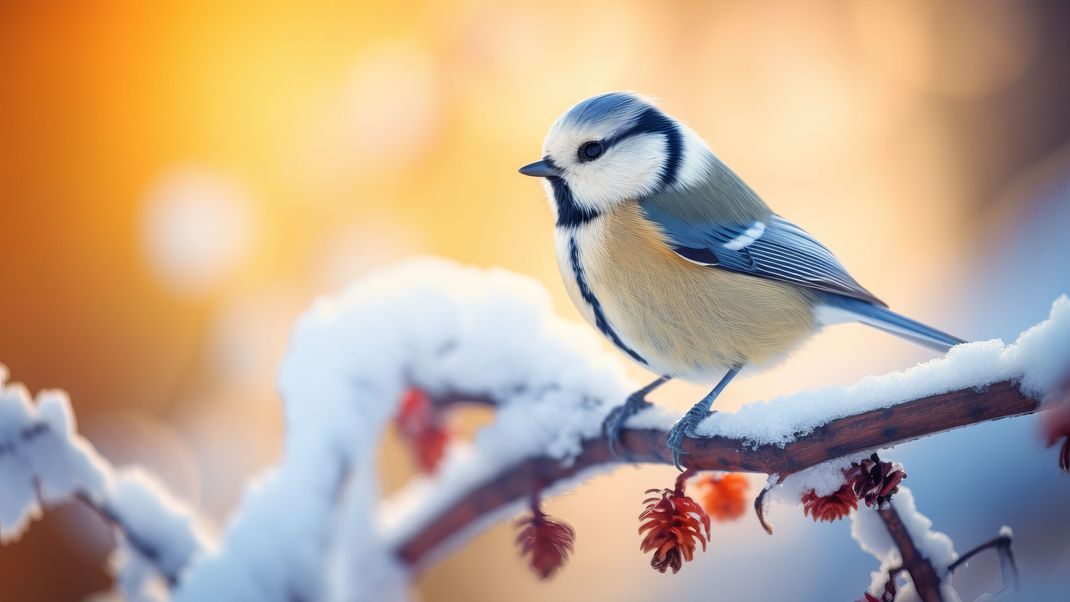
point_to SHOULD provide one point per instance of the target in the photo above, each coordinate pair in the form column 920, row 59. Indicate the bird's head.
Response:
column 609, row 149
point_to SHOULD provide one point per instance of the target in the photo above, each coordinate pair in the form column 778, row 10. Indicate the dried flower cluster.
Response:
column 830, row 508
column 875, row 481
column 724, row 496
column 545, row 541
column 674, row 524
column 422, row 428
column 872, row 480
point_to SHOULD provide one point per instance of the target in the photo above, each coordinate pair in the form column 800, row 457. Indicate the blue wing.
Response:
column 772, row 248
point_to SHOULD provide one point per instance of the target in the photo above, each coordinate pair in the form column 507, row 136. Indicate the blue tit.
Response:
column 679, row 263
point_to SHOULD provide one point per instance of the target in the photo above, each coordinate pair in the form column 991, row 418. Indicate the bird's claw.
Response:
column 684, row 428
column 675, row 442
column 614, row 422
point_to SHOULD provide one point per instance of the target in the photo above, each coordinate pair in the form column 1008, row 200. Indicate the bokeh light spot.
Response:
column 197, row 229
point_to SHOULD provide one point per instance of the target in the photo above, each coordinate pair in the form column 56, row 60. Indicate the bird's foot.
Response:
column 684, row 428
column 614, row 422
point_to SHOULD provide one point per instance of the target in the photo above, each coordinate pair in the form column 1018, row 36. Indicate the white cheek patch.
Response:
column 630, row 168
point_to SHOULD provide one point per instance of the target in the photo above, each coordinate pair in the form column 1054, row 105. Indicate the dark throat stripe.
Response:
column 596, row 307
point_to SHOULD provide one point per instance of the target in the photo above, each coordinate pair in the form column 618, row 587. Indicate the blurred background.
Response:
column 179, row 180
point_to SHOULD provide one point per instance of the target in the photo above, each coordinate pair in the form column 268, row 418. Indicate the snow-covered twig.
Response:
column 925, row 577
column 43, row 461
column 903, row 540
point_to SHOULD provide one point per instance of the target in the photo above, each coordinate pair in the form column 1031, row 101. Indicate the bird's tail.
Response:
column 891, row 322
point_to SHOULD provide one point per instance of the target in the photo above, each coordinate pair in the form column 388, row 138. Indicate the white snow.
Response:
column 154, row 522
column 824, row 478
column 872, row 536
column 426, row 323
column 43, row 461
column 1039, row 358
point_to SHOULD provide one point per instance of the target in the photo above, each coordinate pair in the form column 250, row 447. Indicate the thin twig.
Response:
column 889, row 585
column 760, row 502
column 1008, row 567
column 146, row 550
column 38, row 429
column 915, row 563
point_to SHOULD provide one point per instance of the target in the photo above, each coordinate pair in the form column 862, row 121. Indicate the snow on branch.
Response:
column 902, row 539
column 427, row 324
column 315, row 526
column 43, row 462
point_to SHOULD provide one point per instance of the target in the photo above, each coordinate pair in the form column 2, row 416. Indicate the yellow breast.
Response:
column 681, row 318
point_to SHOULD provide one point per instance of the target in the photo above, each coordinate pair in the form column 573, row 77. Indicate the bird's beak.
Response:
column 540, row 169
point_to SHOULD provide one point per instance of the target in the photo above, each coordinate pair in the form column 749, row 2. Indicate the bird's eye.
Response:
column 591, row 151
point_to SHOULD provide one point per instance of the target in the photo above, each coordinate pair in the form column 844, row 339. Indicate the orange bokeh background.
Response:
column 178, row 180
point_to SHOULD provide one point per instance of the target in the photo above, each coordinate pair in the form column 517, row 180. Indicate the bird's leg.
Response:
column 685, row 427
column 614, row 422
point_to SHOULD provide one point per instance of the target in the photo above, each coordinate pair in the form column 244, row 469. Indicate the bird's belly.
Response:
column 681, row 319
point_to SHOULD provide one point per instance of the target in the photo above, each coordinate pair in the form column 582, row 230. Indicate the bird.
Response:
column 680, row 264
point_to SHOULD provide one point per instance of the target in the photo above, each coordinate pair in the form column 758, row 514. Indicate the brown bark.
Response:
column 915, row 563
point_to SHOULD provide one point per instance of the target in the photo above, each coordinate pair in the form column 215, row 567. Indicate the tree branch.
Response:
column 115, row 521
column 845, row 436
column 915, row 563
